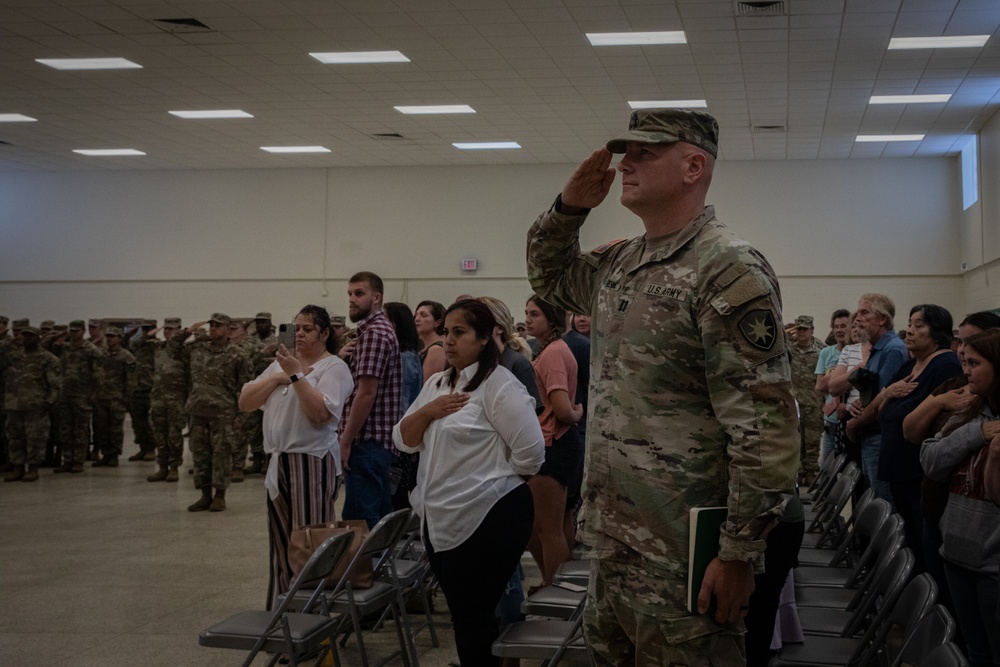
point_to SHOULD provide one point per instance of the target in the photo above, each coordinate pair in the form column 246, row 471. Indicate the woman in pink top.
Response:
column 562, row 473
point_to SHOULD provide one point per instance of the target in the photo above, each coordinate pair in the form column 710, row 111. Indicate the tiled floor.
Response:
column 104, row 568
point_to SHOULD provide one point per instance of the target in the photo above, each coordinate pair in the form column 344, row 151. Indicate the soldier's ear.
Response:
column 696, row 166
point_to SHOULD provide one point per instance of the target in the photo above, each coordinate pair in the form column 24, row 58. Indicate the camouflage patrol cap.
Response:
column 666, row 126
column 263, row 315
column 77, row 324
column 220, row 318
column 338, row 321
column 169, row 322
column 94, row 323
column 803, row 322
column 47, row 324
column 31, row 330
column 113, row 331
column 60, row 327
column 20, row 324
column 149, row 323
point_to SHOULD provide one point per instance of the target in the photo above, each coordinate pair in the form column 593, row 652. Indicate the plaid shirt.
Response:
column 377, row 354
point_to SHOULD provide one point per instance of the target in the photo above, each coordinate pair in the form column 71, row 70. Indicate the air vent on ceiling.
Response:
column 771, row 129
column 387, row 136
column 767, row 8
column 182, row 25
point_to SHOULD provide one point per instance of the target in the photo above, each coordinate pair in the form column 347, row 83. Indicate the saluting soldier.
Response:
column 139, row 407
column 171, row 380
column 82, row 376
column 112, row 400
column 260, row 345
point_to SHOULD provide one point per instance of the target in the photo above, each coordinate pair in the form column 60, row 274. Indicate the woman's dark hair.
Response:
column 939, row 321
column 480, row 319
column 556, row 317
column 987, row 345
column 984, row 320
column 402, row 321
column 321, row 319
column 437, row 312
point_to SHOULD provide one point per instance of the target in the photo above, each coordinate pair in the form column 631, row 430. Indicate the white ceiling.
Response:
column 524, row 65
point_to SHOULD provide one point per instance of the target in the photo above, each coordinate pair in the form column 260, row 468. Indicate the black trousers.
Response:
column 474, row 574
column 780, row 556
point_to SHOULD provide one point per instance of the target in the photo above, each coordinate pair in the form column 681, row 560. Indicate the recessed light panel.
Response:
column 16, row 118
column 485, row 145
column 107, row 152
column 295, row 149
column 636, row 38
column 668, row 104
column 435, row 108
column 954, row 42
column 212, row 113
column 88, row 63
column 360, row 57
column 908, row 99
column 869, row 138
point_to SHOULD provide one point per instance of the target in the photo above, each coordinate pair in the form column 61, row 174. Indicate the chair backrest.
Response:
column 909, row 609
column 934, row 629
column 380, row 540
column 319, row 566
column 946, row 655
column 878, row 598
column 869, row 520
column 829, row 510
column 827, row 473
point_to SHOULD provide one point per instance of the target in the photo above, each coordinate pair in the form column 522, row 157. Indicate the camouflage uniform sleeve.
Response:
column 557, row 270
column 131, row 378
column 53, row 378
column 749, row 380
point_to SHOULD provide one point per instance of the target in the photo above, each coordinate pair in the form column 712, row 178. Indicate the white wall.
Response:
column 189, row 243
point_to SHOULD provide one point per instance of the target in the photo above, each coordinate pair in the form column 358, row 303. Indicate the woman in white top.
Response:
column 302, row 395
column 475, row 427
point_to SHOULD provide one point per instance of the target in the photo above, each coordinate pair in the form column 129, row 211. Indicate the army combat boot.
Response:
column 237, row 475
column 204, row 502
column 32, row 473
column 16, row 474
column 219, row 503
column 172, row 476
column 158, row 476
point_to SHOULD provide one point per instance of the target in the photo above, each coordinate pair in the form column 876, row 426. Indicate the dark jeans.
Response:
column 975, row 598
column 780, row 556
column 906, row 498
column 366, row 485
column 474, row 574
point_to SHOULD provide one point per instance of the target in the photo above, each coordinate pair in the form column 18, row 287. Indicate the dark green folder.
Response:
column 703, row 546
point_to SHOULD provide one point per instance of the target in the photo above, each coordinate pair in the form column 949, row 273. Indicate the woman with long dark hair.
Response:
column 429, row 321
column 475, row 428
column 556, row 487
column 970, row 526
column 302, row 394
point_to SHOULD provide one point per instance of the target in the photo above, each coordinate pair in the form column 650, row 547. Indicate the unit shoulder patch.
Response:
column 758, row 329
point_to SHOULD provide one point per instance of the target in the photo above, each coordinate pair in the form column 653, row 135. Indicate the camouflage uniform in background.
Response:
column 810, row 406
column 82, row 377
column 32, row 383
column 141, row 403
column 5, row 340
column 112, row 402
column 169, row 393
column 689, row 406
column 217, row 374
column 251, row 431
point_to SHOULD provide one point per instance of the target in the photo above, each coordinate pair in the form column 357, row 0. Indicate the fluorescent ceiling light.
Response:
column 212, row 113
column 359, row 57
column 295, row 149
column 485, row 145
column 889, row 137
column 668, row 104
column 632, row 38
column 436, row 108
column 107, row 152
column 955, row 42
column 908, row 99
column 88, row 63
column 16, row 118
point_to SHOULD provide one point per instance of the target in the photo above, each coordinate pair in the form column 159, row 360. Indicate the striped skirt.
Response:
column 307, row 489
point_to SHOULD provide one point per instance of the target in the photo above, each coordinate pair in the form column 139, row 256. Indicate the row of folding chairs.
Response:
column 312, row 615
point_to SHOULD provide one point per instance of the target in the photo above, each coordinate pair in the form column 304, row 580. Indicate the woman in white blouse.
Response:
column 302, row 395
column 477, row 432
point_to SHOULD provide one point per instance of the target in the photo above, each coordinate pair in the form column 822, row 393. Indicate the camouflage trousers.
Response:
column 168, row 421
column 74, row 430
column 249, row 437
column 211, row 441
column 634, row 618
column 109, row 428
column 139, row 409
column 811, row 428
column 27, row 433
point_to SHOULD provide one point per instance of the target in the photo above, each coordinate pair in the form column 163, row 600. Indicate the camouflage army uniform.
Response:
column 251, row 431
column 217, row 374
column 32, row 383
column 810, row 405
column 5, row 340
column 167, row 397
column 82, row 376
column 689, row 406
column 140, row 405
column 112, row 402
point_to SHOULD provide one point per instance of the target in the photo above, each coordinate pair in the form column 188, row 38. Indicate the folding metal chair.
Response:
column 542, row 640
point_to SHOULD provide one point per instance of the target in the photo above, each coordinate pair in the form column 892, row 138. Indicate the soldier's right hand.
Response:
column 590, row 183
column 197, row 325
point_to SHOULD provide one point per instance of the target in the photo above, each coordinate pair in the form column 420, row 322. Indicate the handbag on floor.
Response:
column 304, row 541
